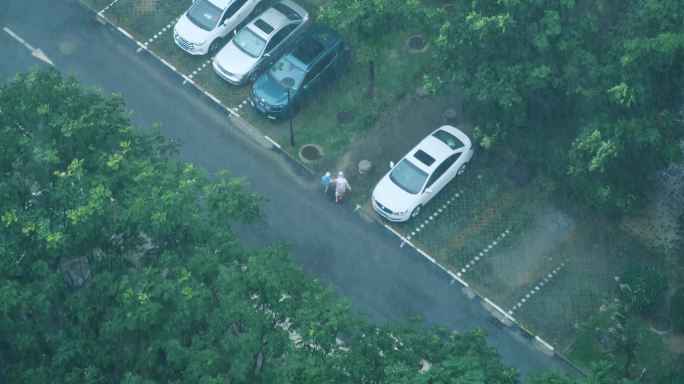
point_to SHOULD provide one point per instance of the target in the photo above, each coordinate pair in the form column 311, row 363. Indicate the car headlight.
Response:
column 200, row 43
column 402, row 213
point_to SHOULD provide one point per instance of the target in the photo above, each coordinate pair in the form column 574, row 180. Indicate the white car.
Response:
column 261, row 42
column 422, row 173
column 202, row 28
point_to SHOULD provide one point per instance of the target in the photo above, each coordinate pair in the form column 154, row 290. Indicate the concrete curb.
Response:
column 496, row 311
column 246, row 128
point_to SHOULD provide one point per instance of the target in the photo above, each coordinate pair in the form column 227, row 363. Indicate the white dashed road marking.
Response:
column 547, row 279
column 107, row 7
column 157, row 35
column 484, row 251
column 434, row 215
column 194, row 73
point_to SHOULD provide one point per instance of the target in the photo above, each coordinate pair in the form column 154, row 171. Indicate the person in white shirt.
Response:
column 341, row 186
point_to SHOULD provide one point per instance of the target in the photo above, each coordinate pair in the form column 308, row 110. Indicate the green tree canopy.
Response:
column 119, row 265
column 591, row 92
column 372, row 26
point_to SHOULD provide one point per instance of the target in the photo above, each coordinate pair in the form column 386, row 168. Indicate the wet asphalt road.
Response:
column 357, row 256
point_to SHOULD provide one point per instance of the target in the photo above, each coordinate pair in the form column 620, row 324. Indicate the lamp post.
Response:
column 288, row 82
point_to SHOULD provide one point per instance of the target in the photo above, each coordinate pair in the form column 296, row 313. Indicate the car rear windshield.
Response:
column 447, row 138
column 408, row 177
column 204, row 14
column 249, row 42
column 308, row 50
column 287, row 11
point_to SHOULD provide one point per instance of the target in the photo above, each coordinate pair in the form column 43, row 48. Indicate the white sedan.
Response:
column 422, row 173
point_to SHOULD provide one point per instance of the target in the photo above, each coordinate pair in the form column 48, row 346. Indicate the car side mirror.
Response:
column 225, row 22
column 391, row 164
column 428, row 190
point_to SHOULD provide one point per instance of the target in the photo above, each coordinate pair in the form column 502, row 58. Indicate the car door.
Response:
column 276, row 46
column 440, row 178
column 235, row 14
column 318, row 73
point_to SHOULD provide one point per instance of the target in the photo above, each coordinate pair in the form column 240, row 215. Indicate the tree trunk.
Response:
column 371, row 78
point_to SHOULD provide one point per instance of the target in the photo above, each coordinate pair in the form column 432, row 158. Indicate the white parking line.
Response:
column 158, row 34
column 420, row 227
column 197, row 70
column 547, row 279
column 484, row 252
column 241, row 104
column 107, row 7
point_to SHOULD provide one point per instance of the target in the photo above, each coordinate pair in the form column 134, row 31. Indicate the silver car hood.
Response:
column 234, row 60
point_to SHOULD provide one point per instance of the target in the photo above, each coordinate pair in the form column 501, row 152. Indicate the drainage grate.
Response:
column 310, row 152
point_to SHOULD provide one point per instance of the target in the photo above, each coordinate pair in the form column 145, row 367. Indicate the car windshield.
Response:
column 448, row 139
column 249, row 42
column 408, row 177
column 204, row 14
column 285, row 67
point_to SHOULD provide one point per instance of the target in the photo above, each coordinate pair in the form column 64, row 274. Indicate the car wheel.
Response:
column 416, row 211
column 253, row 76
column 461, row 170
column 214, row 46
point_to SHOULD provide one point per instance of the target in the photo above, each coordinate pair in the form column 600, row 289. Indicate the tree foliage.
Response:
column 601, row 81
column 119, row 265
column 371, row 26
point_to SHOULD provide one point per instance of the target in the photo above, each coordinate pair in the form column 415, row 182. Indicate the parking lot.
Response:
column 498, row 227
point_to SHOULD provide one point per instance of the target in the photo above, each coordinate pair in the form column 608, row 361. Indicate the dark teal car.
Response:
column 314, row 61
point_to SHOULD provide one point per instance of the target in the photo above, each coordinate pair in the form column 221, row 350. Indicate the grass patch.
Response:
column 650, row 351
column 184, row 62
column 232, row 96
column 96, row 5
column 143, row 19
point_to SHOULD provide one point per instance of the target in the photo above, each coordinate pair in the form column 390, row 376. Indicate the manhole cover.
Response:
column 417, row 44
column 66, row 47
column 660, row 324
column 310, row 152
column 345, row 117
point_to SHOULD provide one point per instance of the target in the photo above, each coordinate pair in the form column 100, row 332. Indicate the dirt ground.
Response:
column 393, row 135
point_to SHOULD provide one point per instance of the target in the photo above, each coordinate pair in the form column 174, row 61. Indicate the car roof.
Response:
column 318, row 40
column 274, row 18
column 431, row 151
column 222, row 4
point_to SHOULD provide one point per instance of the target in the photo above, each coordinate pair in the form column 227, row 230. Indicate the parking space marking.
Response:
column 157, row 35
column 107, row 7
column 537, row 288
column 188, row 78
column 484, row 252
column 241, row 104
column 434, row 215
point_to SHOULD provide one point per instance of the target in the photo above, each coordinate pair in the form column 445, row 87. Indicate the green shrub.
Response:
column 677, row 309
column 642, row 288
